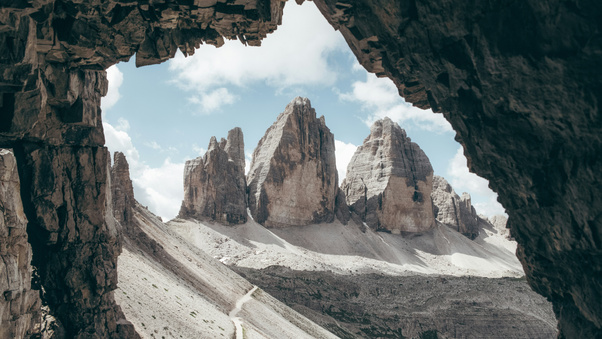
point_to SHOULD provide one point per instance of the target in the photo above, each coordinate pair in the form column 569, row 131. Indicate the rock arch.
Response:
column 518, row 80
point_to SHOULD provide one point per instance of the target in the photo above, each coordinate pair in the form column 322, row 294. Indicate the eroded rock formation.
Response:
column 389, row 181
column 293, row 176
column 215, row 186
column 20, row 305
column 519, row 82
column 454, row 211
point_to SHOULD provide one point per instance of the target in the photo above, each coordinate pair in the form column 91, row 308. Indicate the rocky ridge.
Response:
column 382, row 306
column 389, row 181
column 452, row 210
column 293, row 177
column 215, row 186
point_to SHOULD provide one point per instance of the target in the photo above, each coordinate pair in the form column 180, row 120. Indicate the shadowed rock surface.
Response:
column 19, row 303
column 293, row 176
column 389, row 181
column 215, row 186
column 519, row 82
column 452, row 210
column 381, row 306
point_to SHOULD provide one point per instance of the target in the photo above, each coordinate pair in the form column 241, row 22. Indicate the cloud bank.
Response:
column 281, row 62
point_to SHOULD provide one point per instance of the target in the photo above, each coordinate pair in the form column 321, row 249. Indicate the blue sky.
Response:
column 162, row 115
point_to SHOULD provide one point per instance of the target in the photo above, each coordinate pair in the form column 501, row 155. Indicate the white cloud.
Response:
column 159, row 188
column 343, row 152
column 162, row 188
column 281, row 61
column 380, row 97
column 248, row 159
column 462, row 180
column 154, row 145
column 115, row 78
column 210, row 102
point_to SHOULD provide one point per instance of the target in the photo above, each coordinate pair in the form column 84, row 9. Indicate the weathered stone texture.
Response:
column 389, row 181
column 452, row 210
column 215, row 186
column 520, row 83
column 293, row 176
column 19, row 303
column 74, row 236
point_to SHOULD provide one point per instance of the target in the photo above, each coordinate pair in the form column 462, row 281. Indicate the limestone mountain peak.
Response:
column 389, row 181
column 214, row 184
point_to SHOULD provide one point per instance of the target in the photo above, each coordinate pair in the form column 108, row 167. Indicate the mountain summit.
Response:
column 389, row 181
column 293, row 176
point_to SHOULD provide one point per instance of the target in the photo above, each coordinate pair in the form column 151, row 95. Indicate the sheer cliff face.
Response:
column 214, row 185
column 293, row 176
column 389, row 181
column 19, row 304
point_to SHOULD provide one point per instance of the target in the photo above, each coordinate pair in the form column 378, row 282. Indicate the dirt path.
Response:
column 239, row 304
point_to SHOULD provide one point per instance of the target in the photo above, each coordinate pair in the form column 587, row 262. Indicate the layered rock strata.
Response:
column 215, row 186
column 389, row 181
column 454, row 211
column 293, row 176
column 20, row 305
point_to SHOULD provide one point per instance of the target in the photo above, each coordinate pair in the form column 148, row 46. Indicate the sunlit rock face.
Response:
column 19, row 303
column 520, row 83
column 454, row 211
column 293, row 175
column 214, row 184
column 389, row 181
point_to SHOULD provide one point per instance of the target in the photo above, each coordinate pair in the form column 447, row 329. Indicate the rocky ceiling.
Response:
column 520, row 82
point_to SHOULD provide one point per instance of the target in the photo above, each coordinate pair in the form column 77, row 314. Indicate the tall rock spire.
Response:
column 293, row 176
column 215, row 185
column 389, row 181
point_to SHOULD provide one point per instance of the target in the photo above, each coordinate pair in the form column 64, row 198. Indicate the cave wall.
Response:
column 518, row 80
